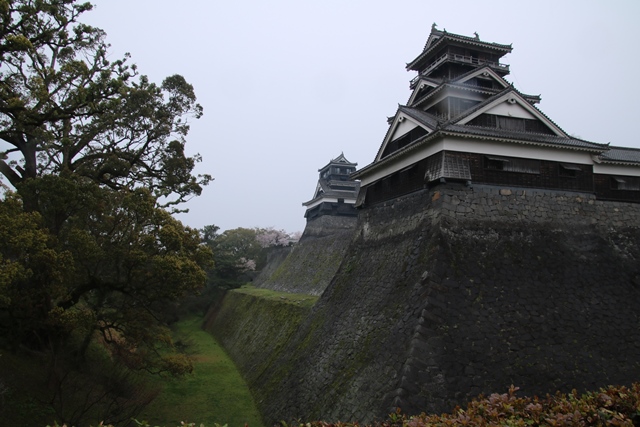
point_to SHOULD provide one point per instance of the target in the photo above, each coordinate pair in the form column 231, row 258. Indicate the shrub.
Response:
column 610, row 406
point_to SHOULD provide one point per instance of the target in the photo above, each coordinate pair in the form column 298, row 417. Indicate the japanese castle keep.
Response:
column 465, row 123
column 490, row 248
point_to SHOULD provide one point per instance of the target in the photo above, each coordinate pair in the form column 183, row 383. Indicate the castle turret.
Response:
column 336, row 192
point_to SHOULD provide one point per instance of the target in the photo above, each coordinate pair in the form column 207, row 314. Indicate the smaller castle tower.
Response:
column 336, row 192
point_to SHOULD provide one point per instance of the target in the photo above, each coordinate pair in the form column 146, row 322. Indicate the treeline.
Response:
column 239, row 255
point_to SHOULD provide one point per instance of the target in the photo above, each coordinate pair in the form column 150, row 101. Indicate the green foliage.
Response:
column 28, row 260
column 124, row 259
column 93, row 265
column 65, row 107
column 90, row 258
column 98, row 390
column 240, row 252
column 234, row 254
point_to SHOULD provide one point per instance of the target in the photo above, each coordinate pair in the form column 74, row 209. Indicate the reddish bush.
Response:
column 611, row 406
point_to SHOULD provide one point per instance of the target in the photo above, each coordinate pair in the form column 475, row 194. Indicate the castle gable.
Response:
column 483, row 77
column 510, row 111
column 421, row 88
column 407, row 126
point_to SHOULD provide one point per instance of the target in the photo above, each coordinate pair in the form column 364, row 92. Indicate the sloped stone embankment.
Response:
column 456, row 291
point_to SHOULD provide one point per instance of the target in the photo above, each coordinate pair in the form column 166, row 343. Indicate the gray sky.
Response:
column 286, row 85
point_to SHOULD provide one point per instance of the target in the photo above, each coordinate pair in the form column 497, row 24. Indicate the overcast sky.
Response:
column 286, row 85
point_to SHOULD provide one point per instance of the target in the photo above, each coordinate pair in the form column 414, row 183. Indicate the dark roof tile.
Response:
column 621, row 155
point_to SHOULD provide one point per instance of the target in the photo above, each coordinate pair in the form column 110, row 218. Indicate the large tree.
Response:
column 90, row 255
column 65, row 107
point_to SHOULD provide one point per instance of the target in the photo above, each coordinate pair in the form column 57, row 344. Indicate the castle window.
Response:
column 569, row 170
column 512, row 164
column 524, row 166
column 495, row 163
column 625, row 183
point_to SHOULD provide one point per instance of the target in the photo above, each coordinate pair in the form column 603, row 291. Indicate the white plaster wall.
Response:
column 616, row 170
column 511, row 110
column 316, row 202
column 403, row 128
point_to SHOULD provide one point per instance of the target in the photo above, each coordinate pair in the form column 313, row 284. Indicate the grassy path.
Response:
column 214, row 393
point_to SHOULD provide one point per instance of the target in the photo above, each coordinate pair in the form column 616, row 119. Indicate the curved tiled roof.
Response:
column 432, row 122
column 621, row 155
column 329, row 190
column 506, row 48
column 423, row 117
column 526, row 137
column 476, row 40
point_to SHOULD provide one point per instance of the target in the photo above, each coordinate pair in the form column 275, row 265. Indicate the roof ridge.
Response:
column 452, row 36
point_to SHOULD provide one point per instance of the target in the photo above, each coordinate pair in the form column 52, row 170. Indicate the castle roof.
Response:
column 460, row 102
column 621, row 155
column 438, row 38
column 334, row 189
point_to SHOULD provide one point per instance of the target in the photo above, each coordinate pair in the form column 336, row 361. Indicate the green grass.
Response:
column 214, row 393
column 298, row 299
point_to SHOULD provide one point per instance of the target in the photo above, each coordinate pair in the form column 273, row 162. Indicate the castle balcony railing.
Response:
column 461, row 59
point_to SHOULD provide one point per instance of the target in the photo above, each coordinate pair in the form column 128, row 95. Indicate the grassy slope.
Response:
column 303, row 300
column 214, row 393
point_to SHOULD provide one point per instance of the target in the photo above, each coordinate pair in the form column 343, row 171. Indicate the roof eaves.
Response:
column 618, row 162
column 464, row 39
column 596, row 148
column 375, row 165
column 621, row 155
column 423, row 117
column 559, row 143
column 386, row 133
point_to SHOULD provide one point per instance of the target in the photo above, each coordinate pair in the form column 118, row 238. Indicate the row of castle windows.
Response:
column 337, row 171
column 510, row 124
column 566, row 170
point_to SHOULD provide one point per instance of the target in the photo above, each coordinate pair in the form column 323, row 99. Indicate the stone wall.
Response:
column 275, row 256
column 315, row 259
column 455, row 291
column 253, row 330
